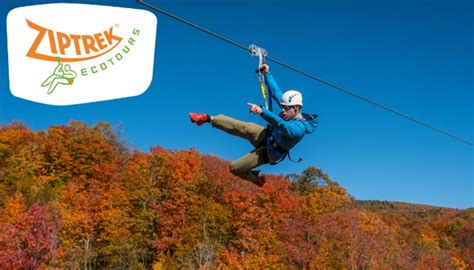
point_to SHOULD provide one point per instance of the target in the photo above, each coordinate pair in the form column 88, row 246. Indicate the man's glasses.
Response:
column 286, row 107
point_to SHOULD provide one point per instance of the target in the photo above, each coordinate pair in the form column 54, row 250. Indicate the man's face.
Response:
column 288, row 112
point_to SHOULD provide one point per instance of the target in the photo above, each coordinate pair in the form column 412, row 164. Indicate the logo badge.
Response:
column 65, row 54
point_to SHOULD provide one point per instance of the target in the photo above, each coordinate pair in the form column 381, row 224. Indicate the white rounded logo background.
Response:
column 129, row 76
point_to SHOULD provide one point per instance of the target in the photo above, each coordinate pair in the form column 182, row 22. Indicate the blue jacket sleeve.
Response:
column 273, row 87
column 289, row 128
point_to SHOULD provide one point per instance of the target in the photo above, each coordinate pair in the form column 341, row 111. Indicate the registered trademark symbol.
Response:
column 117, row 25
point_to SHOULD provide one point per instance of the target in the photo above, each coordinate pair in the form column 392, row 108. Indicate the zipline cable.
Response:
column 307, row 74
column 194, row 25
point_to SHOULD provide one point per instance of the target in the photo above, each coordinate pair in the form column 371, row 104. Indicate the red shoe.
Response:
column 261, row 180
column 199, row 119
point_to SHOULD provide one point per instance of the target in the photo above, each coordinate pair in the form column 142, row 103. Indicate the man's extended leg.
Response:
column 250, row 131
column 254, row 133
column 244, row 165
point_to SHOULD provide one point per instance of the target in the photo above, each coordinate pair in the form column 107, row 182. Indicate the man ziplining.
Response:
column 272, row 143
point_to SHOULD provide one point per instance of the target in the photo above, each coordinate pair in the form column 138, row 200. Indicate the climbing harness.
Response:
column 261, row 53
column 270, row 141
column 286, row 152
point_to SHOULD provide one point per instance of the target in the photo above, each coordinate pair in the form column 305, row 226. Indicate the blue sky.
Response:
column 414, row 56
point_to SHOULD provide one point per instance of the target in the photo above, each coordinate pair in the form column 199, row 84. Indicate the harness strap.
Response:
column 289, row 157
column 261, row 78
column 270, row 99
column 263, row 88
column 261, row 53
column 286, row 152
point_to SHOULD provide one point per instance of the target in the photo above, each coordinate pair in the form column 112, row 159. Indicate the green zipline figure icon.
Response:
column 63, row 74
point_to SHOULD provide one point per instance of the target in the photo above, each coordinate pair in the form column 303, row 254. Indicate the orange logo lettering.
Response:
column 84, row 47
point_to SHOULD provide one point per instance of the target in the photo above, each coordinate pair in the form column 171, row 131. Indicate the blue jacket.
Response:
column 286, row 133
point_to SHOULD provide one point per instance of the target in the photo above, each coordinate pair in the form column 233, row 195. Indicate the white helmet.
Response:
column 291, row 98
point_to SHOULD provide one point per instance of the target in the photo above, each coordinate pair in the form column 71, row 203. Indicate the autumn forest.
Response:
column 78, row 197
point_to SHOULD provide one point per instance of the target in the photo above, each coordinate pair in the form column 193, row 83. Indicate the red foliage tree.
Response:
column 27, row 238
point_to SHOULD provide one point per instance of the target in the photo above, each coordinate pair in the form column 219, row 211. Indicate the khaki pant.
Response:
column 253, row 133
